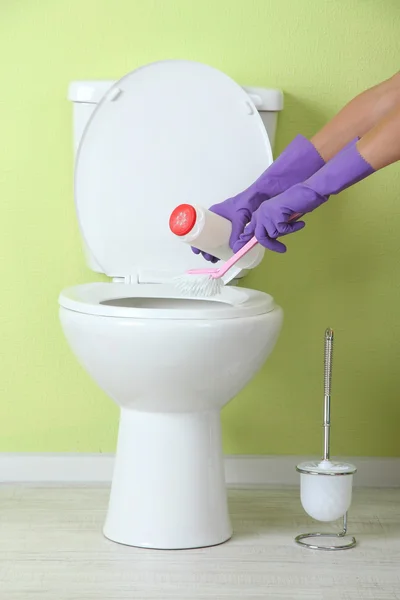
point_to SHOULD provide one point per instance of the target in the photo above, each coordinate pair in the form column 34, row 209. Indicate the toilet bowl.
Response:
column 170, row 362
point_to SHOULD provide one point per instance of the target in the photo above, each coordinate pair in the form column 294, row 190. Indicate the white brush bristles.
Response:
column 198, row 286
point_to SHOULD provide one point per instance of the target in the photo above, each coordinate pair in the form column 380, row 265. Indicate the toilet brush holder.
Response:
column 326, row 486
column 325, row 492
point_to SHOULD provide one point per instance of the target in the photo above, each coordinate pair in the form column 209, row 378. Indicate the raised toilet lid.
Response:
column 168, row 133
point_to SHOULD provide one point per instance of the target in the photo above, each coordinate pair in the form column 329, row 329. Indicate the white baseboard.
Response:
column 280, row 470
column 239, row 470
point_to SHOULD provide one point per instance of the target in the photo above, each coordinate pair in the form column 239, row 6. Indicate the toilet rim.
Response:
column 232, row 303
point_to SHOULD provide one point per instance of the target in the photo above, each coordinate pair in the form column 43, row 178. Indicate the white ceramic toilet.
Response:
column 168, row 133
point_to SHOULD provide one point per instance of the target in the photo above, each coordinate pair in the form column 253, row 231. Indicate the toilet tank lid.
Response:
column 88, row 92
column 91, row 92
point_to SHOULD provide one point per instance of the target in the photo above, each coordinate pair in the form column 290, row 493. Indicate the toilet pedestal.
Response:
column 168, row 489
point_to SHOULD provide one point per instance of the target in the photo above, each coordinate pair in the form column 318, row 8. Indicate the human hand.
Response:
column 273, row 217
column 297, row 162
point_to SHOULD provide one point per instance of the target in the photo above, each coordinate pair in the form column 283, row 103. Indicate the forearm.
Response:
column 358, row 117
column 380, row 147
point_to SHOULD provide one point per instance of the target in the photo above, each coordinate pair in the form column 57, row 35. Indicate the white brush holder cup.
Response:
column 325, row 492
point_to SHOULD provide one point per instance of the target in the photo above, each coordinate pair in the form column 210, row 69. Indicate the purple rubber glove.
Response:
column 271, row 220
column 297, row 162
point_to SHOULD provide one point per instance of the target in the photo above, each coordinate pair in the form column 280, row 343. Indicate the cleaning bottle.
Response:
column 209, row 232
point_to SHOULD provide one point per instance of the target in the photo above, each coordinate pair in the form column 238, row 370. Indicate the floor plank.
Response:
column 51, row 546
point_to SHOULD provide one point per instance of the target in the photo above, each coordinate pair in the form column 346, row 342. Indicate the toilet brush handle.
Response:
column 328, row 350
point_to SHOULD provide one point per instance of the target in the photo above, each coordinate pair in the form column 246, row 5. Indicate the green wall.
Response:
column 342, row 271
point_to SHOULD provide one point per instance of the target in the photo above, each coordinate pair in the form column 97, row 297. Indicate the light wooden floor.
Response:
column 51, row 546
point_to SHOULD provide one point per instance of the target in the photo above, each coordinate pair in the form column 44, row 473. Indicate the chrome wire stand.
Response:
column 300, row 539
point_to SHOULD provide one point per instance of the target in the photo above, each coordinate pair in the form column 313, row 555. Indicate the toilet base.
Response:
column 168, row 490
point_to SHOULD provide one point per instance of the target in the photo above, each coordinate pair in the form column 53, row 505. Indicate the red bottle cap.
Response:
column 182, row 219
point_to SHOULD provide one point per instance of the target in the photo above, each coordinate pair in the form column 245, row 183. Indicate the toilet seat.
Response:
column 161, row 301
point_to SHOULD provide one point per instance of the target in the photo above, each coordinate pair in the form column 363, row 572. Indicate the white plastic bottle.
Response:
column 209, row 232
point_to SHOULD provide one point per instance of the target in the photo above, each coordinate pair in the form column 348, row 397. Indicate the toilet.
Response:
column 165, row 134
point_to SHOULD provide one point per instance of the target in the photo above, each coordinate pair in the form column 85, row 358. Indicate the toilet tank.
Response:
column 85, row 95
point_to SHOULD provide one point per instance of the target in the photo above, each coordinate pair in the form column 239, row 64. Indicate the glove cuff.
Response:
column 344, row 170
column 298, row 161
